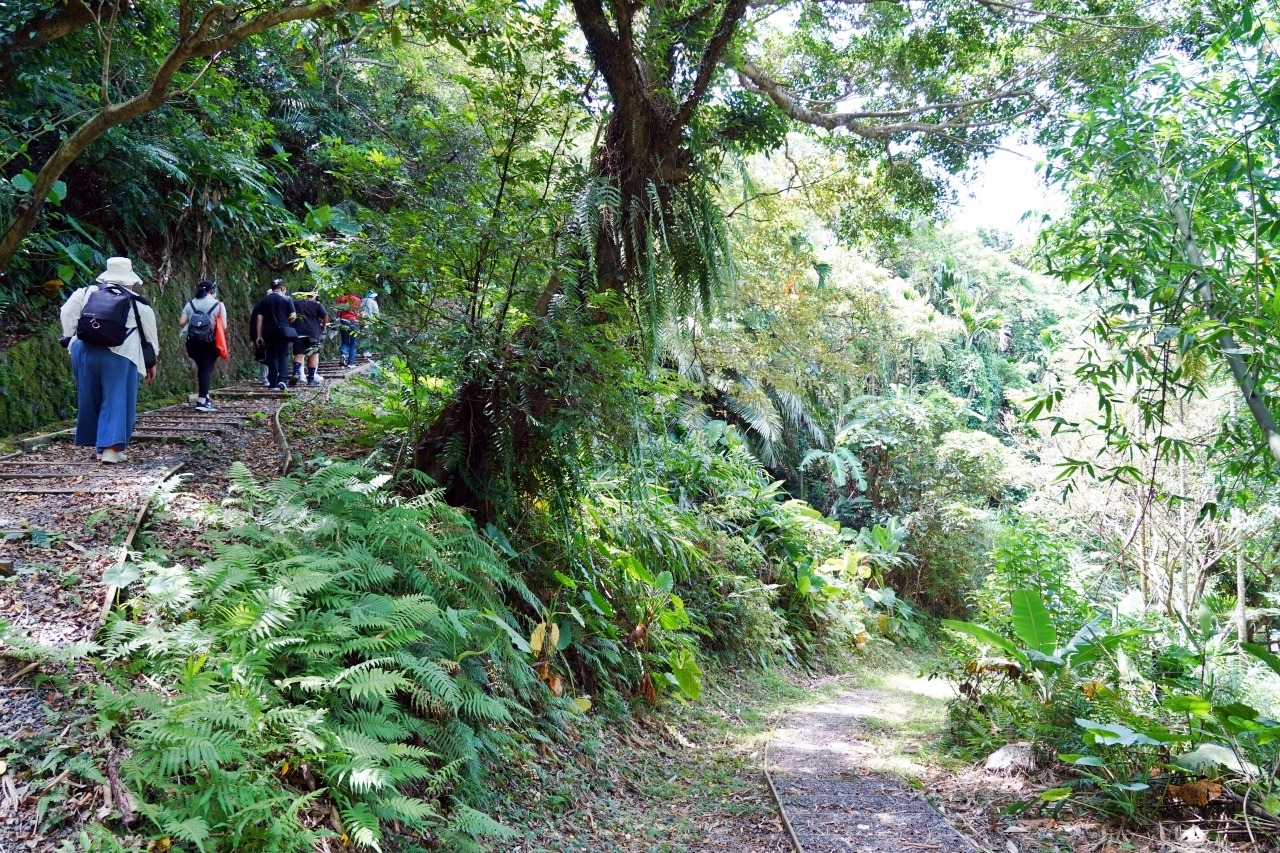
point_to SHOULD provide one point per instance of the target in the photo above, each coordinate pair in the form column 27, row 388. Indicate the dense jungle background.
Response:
column 682, row 367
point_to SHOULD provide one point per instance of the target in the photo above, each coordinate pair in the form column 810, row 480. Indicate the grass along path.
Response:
column 688, row 779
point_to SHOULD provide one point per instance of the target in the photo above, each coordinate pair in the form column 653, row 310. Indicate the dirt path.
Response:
column 829, row 763
column 65, row 523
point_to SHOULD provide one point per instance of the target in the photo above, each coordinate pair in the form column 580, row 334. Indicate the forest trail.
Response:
column 67, row 528
column 838, row 767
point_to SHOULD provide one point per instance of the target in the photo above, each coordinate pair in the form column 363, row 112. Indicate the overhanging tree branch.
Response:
column 36, row 33
column 194, row 44
column 725, row 28
column 859, row 122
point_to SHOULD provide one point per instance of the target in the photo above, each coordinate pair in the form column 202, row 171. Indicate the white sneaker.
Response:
column 111, row 456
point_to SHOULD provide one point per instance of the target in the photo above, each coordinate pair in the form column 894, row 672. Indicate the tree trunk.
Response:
column 1242, row 620
column 1226, row 341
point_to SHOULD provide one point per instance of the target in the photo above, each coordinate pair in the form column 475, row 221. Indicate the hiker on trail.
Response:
column 369, row 310
column 199, row 326
column 259, row 351
column 310, row 324
column 273, row 331
column 111, row 333
column 348, row 307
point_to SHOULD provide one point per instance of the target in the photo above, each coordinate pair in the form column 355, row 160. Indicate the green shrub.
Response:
column 347, row 654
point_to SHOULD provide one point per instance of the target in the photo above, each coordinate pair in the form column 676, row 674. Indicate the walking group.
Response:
column 110, row 331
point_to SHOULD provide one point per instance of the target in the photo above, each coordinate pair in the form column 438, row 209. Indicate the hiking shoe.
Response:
column 313, row 383
column 204, row 407
column 111, row 456
column 266, row 383
column 280, row 386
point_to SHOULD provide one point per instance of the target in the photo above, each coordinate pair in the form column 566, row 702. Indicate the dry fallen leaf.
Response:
column 1197, row 793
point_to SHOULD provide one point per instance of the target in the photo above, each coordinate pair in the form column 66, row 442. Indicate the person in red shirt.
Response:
column 348, row 308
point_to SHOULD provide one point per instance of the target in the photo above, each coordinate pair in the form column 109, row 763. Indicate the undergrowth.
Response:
column 343, row 665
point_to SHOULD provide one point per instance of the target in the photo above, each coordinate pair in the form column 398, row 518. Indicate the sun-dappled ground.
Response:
column 691, row 779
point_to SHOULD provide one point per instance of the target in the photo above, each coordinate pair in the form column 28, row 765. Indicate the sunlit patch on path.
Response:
column 833, row 777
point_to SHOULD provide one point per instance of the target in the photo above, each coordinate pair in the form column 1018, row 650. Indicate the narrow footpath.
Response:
column 67, row 537
column 830, row 781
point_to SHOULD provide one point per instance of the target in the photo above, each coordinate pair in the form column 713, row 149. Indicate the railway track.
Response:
column 833, row 793
column 65, row 518
column 66, row 521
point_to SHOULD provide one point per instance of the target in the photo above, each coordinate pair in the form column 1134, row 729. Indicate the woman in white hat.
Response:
column 113, row 342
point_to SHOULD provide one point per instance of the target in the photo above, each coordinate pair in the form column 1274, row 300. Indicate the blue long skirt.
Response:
column 106, row 396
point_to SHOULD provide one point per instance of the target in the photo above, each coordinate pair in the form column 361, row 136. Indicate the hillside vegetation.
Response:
column 680, row 366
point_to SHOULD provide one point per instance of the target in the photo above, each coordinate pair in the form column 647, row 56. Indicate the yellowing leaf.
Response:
column 555, row 635
column 538, row 638
column 284, row 769
column 583, row 703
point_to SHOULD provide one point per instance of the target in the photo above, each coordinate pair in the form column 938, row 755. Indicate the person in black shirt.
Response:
column 273, row 332
column 310, row 324
column 259, row 350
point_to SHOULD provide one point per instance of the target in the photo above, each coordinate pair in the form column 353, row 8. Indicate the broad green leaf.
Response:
column 1053, row 795
column 516, row 640
column 121, row 574
column 24, row 180
column 1114, row 734
column 563, row 636
column 1209, row 756
column 991, row 638
column 1031, row 621
column 1263, row 654
column 1196, row 706
column 499, row 539
column 687, row 673
column 598, row 602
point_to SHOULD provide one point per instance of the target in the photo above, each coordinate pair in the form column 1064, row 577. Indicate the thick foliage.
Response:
column 345, row 648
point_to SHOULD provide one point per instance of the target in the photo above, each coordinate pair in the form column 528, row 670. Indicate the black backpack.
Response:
column 104, row 320
column 200, row 326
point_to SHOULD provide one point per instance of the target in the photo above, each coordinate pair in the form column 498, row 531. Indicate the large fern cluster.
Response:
column 344, row 664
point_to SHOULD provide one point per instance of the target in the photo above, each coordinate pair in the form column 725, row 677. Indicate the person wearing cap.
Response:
column 107, row 377
column 274, row 331
column 312, row 318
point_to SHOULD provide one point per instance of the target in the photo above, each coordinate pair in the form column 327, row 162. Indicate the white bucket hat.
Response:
column 120, row 271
